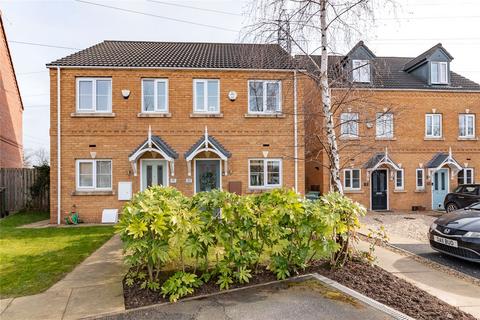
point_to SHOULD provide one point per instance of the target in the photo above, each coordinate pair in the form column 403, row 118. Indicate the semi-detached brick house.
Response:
column 126, row 115
column 407, row 129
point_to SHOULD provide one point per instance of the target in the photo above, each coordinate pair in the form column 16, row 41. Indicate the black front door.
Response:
column 379, row 190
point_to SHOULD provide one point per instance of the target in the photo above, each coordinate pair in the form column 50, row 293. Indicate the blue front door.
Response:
column 207, row 175
column 439, row 188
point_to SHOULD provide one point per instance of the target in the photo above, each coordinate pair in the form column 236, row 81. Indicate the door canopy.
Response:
column 153, row 144
column 381, row 159
column 441, row 160
column 207, row 143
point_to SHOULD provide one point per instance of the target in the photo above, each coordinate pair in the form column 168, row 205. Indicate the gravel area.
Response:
column 407, row 225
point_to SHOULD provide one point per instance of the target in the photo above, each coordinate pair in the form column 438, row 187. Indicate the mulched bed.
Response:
column 369, row 280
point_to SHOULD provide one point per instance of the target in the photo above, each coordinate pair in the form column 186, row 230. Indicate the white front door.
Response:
column 154, row 172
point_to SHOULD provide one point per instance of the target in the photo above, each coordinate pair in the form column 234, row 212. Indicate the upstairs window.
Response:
column 439, row 72
column 466, row 126
column 94, row 174
column 465, row 176
column 265, row 173
column 361, row 71
column 384, row 125
column 206, row 96
column 264, row 96
column 349, row 125
column 351, row 179
column 94, row 95
column 433, row 126
column 154, row 95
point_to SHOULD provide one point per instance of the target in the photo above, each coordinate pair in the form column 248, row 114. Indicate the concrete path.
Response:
column 93, row 287
column 463, row 294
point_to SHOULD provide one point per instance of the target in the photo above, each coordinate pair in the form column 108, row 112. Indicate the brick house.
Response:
column 126, row 115
column 406, row 126
column 11, row 109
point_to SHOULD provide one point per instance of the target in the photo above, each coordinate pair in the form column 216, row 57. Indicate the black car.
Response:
column 463, row 196
column 458, row 233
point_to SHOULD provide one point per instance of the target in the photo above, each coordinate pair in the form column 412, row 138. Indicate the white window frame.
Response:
column 94, row 95
column 351, row 188
column 433, row 115
column 265, row 173
column 94, row 175
column 465, row 176
column 205, row 96
column 422, row 186
column 402, row 184
column 382, row 118
column 155, row 95
column 465, row 116
column 359, row 69
column 347, row 123
column 439, row 80
column 264, row 84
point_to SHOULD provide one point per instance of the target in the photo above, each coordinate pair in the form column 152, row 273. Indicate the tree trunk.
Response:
column 334, row 158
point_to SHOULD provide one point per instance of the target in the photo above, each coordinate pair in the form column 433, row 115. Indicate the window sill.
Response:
column 385, row 139
column 206, row 115
column 433, row 139
column 420, row 191
column 92, row 115
column 467, row 139
column 266, row 115
column 349, row 138
column 154, row 115
column 93, row 193
column 399, row 191
column 353, row 191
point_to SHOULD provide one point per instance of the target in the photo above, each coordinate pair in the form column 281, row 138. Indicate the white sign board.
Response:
column 110, row 216
column 125, row 190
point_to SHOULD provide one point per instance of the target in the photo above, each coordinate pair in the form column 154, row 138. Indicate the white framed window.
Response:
column 433, row 125
column 206, row 96
column 154, row 95
column 439, row 72
column 351, row 179
column 264, row 173
column 361, row 71
column 384, row 125
column 399, row 180
column 349, row 124
column 94, row 95
column 465, row 176
column 264, row 96
column 466, row 126
column 420, row 179
column 92, row 174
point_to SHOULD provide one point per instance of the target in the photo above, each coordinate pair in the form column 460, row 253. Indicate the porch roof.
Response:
column 210, row 140
column 159, row 144
column 442, row 158
column 381, row 158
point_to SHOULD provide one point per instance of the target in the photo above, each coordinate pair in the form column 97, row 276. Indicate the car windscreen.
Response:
column 475, row 206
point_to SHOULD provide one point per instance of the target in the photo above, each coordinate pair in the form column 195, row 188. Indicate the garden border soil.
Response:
column 368, row 280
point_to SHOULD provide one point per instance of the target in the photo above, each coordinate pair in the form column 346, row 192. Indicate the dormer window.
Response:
column 361, row 71
column 439, row 73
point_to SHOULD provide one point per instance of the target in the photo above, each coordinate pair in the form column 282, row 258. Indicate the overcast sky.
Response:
column 419, row 25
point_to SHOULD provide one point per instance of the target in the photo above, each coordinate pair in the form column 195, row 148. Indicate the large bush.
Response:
column 225, row 237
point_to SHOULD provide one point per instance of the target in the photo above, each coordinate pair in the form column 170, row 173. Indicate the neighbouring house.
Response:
column 406, row 127
column 126, row 115
column 11, row 109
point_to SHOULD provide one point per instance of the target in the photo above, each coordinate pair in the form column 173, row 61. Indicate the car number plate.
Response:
column 448, row 242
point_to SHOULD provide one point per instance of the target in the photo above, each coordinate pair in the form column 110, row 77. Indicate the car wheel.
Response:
column 451, row 207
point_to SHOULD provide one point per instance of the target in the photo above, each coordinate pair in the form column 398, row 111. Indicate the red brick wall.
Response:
column 115, row 138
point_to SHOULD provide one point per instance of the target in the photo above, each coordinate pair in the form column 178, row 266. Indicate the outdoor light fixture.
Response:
column 232, row 95
column 125, row 93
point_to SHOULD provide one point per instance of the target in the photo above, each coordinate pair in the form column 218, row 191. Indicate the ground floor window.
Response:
column 420, row 179
column 465, row 176
column 265, row 173
column 351, row 179
column 399, row 179
column 94, row 174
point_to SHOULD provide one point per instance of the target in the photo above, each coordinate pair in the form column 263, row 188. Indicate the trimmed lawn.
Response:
column 32, row 260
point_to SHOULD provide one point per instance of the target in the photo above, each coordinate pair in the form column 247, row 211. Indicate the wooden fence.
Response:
column 15, row 190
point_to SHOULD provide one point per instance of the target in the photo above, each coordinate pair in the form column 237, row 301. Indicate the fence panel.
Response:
column 15, row 194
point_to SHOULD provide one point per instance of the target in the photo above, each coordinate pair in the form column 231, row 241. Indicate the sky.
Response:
column 415, row 26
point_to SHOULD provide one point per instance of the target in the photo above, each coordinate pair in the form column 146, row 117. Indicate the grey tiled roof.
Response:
column 213, row 141
column 437, row 160
column 180, row 55
column 373, row 160
column 161, row 144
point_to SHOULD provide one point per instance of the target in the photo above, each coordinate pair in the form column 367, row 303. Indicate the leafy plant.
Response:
column 180, row 285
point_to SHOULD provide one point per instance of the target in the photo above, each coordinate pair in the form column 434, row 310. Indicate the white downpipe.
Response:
column 59, row 193
column 295, row 127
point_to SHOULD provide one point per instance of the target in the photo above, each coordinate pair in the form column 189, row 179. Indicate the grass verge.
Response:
column 32, row 260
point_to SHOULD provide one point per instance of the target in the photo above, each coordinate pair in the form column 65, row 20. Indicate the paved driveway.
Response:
column 299, row 299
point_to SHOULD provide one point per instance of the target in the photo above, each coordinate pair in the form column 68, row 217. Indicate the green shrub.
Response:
column 224, row 237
